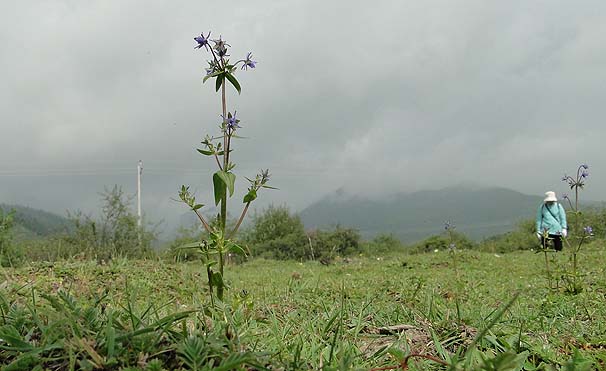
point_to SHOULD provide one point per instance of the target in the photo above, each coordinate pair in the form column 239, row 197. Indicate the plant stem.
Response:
column 233, row 232
column 204, row 223
column 223, row 215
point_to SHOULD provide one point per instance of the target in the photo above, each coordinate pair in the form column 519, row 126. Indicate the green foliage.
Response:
column 34, row 223
column 362, row 314
column 521, row 238
column 114, row 233
column 381, row 244
column 278, row 234
column 10, row 255
column 442, row 242
column 176, row 252
column 340, row 241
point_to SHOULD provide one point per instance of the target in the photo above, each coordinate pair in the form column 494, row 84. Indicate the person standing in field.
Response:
column 551, row 218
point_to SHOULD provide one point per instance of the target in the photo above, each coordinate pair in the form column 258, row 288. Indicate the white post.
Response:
column 139, row 172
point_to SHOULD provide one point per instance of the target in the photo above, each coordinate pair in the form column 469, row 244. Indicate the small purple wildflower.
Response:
column 588, row 230
column 248, row 62
column 231, row 122
column 584, row 166
column 452, row 246
column 565, row 178
column 220, row 47
column 584, row 174
column 202, row 41
column 565, row 196
column 265, row 175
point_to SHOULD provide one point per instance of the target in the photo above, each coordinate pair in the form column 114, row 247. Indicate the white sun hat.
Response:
column 550, row 196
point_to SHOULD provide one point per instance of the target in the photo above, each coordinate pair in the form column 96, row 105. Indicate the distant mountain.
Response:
column 477, row 212
column 34, row 223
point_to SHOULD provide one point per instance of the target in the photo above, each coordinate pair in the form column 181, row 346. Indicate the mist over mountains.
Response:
column 477, row 212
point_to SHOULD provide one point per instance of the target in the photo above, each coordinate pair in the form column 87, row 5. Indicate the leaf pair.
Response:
column 223, row 182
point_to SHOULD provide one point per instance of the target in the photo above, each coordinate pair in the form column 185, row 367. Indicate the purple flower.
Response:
column 265, row 175
column 220, row 47
column 248, row 62
column 231, row 122
column 202, row 41
column 584, row 166
column 448, row 225
column 452, row 246
column 565, row 196
column 588, row 230
column 584, row 174
column 565, row 178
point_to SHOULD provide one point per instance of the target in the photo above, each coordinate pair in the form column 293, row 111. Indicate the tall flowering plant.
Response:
column 582, row 234
column 220, row 148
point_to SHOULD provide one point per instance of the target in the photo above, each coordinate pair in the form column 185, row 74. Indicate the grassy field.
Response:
column 358, row 313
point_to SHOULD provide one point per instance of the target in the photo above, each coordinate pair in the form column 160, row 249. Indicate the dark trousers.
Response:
column 556, row 239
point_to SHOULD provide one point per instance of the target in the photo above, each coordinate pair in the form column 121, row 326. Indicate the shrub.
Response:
column 278, row 234
column 338, row 242
column 10, row 255
column 522, row 238
column 382, row 243
column 115, row 233
column 442, row 242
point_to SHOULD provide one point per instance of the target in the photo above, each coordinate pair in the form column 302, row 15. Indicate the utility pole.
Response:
column 139, row 172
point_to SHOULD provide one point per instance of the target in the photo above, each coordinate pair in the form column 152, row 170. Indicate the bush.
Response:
column 442, row 242
column 10, row 255
column 382, row 243
column 277, row 234
column 116, row 233
column 338, row 242
column 522, row 238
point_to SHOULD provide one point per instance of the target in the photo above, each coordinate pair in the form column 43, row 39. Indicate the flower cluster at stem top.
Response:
column 579, row 180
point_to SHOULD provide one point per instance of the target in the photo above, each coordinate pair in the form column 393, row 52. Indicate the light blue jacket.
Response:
column 551, row 216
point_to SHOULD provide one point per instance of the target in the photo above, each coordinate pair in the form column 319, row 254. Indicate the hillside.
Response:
column 478, row 212
column 34, row 223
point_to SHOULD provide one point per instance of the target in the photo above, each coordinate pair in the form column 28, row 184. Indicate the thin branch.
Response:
column 204, row 223
column 218, row 163
column 239, row 221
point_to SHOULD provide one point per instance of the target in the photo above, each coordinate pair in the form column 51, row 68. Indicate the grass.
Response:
column 359, row 313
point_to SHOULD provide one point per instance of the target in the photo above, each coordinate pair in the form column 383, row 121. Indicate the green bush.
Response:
column 10, row 255
column 442, row 242
column 338, row 242
column 115, row 233
column 381, row 244
column 522, row 238
column 277, row 234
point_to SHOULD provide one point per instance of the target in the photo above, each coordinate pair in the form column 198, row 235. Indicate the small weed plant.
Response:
column 220, row 148
column 580, row 233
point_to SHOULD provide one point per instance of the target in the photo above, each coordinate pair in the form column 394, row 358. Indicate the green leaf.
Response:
column 250, row 196
column 219, row 187
column 217, row 279
column 190, row 245
column 211, row 76
column 229, row 179
column 233, row 81
column 269, row 187
column 197, row 206
column 110, row 334
column 219, row 81
column 236, row 249
column 206, row 153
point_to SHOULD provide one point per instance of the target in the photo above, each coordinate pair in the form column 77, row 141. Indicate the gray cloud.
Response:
column 379, row 98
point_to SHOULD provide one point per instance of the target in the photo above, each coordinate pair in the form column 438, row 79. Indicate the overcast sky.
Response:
column 377, row 97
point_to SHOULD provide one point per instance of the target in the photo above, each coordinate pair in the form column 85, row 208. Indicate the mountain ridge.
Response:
column 477, row 211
